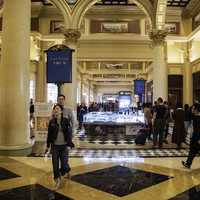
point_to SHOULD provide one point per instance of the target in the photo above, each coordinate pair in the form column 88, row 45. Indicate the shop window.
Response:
column 175, row 89
column 196, row 86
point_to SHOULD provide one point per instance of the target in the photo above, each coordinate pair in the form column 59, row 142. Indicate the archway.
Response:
column 161, row 14
column 84, row 5
column 63, row 6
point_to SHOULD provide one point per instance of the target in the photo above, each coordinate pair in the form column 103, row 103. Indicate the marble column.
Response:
column 87, row 26
column 187, row 77
column 41, row 82
column 89, row 91
column 81, row 89
column 95, row 93
column 160, row 70
column 70, row 89
column 142, row 26
column 14, row 78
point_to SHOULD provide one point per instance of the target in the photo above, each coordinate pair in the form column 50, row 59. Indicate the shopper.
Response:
column 159, row 122
column 195, row 140
column 59, row 138
column 178, row 135
column 188, row 118
column 82, row 112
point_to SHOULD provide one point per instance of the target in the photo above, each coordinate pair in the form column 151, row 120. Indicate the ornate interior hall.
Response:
column 114, row 45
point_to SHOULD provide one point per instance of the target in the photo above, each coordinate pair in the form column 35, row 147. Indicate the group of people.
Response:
column 160, row 115
column 157, row 118
column 82, row 109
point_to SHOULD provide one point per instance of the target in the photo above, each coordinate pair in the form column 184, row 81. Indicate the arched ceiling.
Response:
column 173, row 3
column 178, row 3
column 181, row 3
column 118, row 70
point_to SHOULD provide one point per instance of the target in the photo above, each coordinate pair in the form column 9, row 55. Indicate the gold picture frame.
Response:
column 55, row 26
column 114, row 27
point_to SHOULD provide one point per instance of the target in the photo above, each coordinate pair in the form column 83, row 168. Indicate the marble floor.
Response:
column 30, row 178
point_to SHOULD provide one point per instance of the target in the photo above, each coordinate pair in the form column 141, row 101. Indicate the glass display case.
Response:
column 113, row 118
column 112, row 123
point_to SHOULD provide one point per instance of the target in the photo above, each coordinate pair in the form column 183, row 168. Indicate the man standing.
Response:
column 159, row 122
column 67, row 112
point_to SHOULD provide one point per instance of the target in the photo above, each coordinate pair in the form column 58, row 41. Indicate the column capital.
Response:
column 71, row 35
column 186, row 48
column 158, row 36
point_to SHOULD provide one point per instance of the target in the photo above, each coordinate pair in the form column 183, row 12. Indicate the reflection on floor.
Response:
column 32, row 192
column 191, row 194
column 98, row 179
column 5, row 174
column 119, row 180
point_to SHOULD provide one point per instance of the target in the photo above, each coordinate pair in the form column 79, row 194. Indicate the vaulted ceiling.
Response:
column 173, row 3
column 118, row 71
column 178, row 3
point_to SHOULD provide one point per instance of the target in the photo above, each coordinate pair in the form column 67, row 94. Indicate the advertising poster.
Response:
column 43, row 112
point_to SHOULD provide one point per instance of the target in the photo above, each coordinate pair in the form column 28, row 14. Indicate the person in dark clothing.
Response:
column 167, row 120
column 31, row 118
column 195, row 140
column 188, row 117
column 178, row 135
column 148, row 118
column 59, row 138
column 159, row 122
column 82, row 112
column 31, row 109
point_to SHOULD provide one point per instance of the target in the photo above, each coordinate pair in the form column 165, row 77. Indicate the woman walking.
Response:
column 59, row 138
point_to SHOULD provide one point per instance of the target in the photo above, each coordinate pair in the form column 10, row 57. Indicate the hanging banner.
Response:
column 139, row 89
column 59, row 66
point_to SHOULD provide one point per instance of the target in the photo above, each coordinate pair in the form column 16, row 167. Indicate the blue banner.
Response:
column 59, row 66
column 139, row 89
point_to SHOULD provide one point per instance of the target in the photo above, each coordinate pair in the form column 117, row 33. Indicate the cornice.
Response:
column 110, row 38
column 110, row 10
column 92, row 72
column 195, row 62
column 128, row 59
column 98, row 83
column 175, row 65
